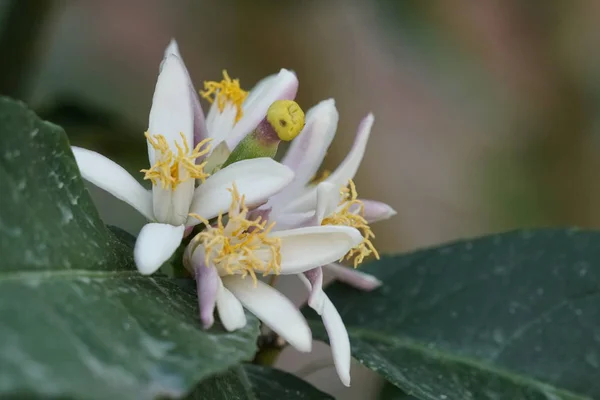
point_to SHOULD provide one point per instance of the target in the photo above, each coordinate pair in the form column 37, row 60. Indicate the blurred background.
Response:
column 487, row 112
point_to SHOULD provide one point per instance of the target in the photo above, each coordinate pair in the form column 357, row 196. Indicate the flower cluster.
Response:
column 252, row 216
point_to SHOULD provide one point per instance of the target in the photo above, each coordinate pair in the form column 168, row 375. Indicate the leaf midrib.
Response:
column 372, row 337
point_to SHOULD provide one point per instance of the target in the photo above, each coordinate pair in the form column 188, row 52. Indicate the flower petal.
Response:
column 200, row 130
column 347, row 169
column 274, row 309
column 375, row 210
column 220, row 123
column 292, row 220
column 328, row 198
column 207, row 285
column 230, row 310
column 172, row 206
column 172, row 111
column 353, row 277
column 338, row 336
column 257, row 179
column 110, row 176
column 315, row 299
column 307, row 151
column 306, row 248
column 344, row 172
column 282, row 87
column 155, row 244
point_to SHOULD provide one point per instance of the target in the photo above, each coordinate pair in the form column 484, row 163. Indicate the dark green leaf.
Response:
column 77, row 320
column 255, row 382
column 392, row 392
column 510, row 316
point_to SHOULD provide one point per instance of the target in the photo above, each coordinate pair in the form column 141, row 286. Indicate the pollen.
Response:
column 241, row 246
column 226, row 91
column 172, row 168
column 350, row 212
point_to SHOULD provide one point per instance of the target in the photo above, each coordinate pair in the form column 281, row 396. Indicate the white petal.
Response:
column 338, row 340
column 306, row 248
column 307, row 151
column 200, row 130
column 344, row 172
column 172, row 49
column 172, row 206
column 338, row 337
column 230, row 310
column 172, row 111
column 274, row 309
column 347, row 169
column 220, row 123
column 113, row 178
column 328, row 198
column 376, row 211
column 283, row 87
column 155, row 244
column 257, row 179
column 353, row 277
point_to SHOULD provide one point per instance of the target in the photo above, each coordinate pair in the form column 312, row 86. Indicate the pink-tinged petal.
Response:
column 294, row 220
column 261, row 212
column 353, row 277
column 230, row 310
column 281, row 87
column 207, row 285
column 306, row 248
column 272, row 308
column 187, row 231
column 375, row 211
column 257, row 179
column 200, row 130
column 110, row 176
column 307, row 151
column 315, row 299
column 344, row 172
column 155, row 244
column 338, row 336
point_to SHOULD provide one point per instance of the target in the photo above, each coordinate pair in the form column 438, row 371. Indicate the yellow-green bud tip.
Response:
column 287, row 119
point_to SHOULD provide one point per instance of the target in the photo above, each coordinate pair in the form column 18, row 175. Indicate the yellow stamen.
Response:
column 287, row 119
column 354, row 218
column 228, row 90
column 171, row 169
column 241, row 246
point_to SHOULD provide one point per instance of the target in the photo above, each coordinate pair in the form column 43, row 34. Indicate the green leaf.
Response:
column 256, row 382
column 392, row 392
column 509, row 316
column 77, row 320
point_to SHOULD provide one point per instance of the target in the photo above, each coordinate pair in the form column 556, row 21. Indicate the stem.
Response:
column 270, row 345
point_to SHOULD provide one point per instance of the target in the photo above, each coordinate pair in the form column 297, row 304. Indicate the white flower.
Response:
column 332, row 202
column 227, row 257
column 178, row 142
column 235, row 112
